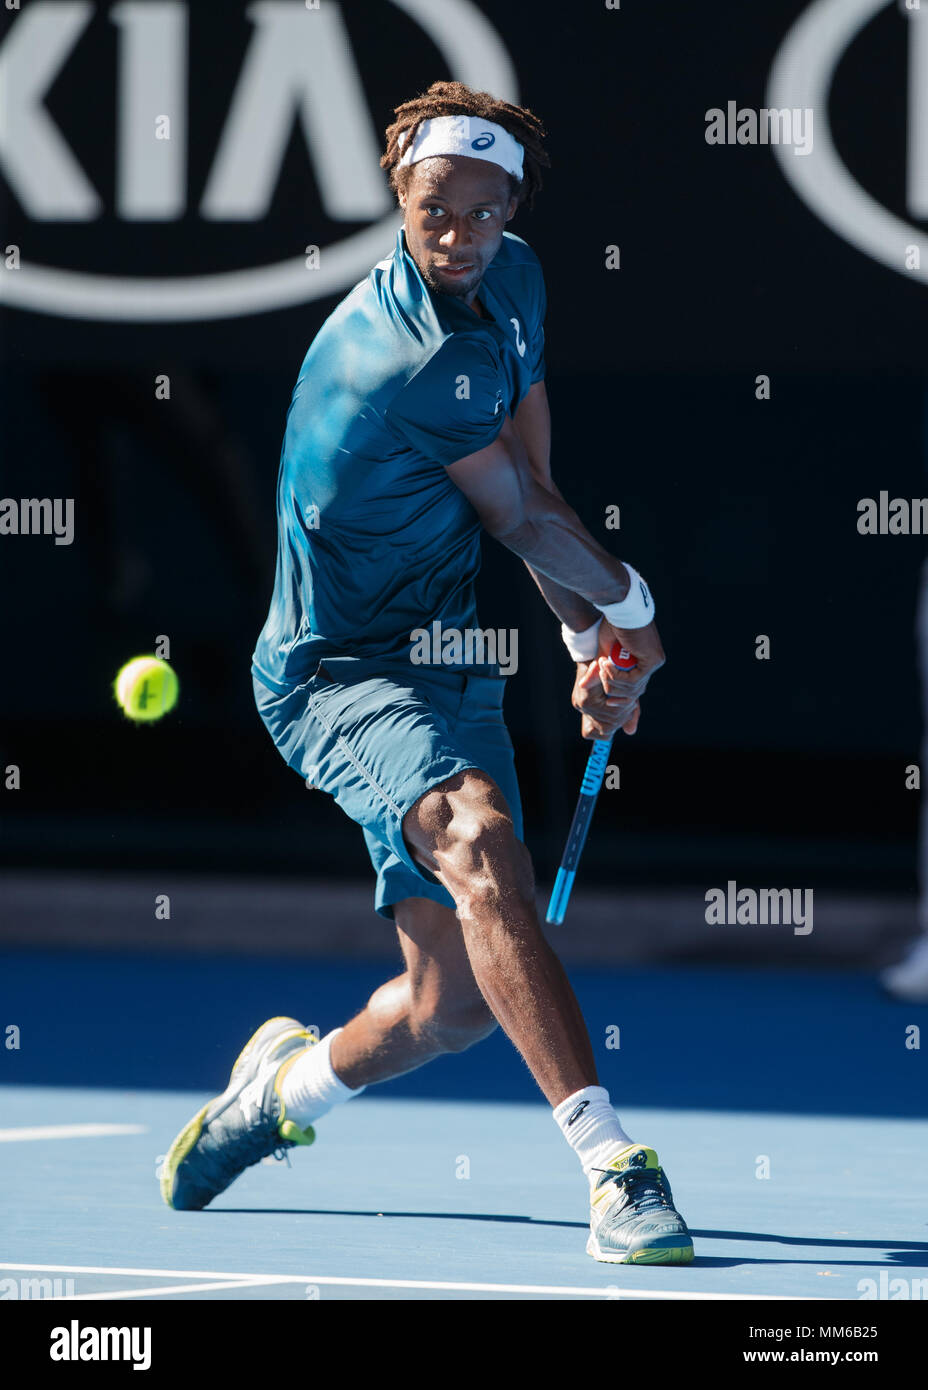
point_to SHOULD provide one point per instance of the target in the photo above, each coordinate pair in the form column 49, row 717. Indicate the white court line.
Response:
column 161, row 1289
column 14, row 1136
column 613, row 1292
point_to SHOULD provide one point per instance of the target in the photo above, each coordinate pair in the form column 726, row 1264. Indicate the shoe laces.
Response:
column 644, row 1188
column 221, row 1167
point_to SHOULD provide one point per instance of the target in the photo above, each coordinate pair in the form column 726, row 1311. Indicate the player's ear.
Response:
column 511, row 210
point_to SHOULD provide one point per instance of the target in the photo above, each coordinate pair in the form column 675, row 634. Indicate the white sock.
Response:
column 591, row 1128
column 310, row 1088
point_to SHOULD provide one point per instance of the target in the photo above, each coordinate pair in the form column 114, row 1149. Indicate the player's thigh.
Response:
column 374, row 741
column 479, row 812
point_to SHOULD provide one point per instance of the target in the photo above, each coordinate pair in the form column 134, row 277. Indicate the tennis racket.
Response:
column 596, row 766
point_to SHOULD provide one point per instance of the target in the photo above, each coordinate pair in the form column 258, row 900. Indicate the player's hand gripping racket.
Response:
column 586, row 804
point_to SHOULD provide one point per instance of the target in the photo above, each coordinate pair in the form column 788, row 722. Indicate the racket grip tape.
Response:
column 590, row 787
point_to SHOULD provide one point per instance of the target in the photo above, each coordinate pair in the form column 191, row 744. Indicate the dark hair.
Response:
column 456, row 99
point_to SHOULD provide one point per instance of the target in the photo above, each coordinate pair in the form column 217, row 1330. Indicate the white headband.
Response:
column 469, row 135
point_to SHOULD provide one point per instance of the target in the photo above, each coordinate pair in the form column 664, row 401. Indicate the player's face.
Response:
column 456, row 209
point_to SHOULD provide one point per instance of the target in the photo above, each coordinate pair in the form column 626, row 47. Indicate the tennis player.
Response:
column 419, row 420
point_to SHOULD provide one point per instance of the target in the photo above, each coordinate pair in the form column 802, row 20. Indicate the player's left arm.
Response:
column 532, row 420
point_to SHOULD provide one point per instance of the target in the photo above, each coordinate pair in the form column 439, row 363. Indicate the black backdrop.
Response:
column 742, row 513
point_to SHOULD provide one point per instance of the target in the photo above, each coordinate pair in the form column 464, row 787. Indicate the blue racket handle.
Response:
column 579, row 827
column 586, row 804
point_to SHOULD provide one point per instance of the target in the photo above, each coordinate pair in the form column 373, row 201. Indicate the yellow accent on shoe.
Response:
column 655, row 1255
column 618, row 1164
column 177, row 1153
column 288, row 1129
column 650, row 1255
column 623, row 1157
column 253, row 1040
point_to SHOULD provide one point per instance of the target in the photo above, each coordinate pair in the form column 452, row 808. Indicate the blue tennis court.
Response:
column 786, row 1107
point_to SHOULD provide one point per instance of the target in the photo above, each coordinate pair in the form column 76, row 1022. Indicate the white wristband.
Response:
column 583, row 646
column 636, row 609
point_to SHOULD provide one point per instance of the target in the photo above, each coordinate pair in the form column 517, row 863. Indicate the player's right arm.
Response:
column 539, row 526
column 534, row 522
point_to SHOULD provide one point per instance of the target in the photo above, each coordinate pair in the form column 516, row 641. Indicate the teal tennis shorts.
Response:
column 376, row 737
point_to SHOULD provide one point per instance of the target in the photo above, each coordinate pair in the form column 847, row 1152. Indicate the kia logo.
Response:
column 298, row 68
column 801, row 76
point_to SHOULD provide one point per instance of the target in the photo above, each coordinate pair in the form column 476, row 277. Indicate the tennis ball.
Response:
column 146, row 688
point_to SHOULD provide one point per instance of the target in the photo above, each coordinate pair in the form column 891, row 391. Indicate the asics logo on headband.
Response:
column 483, row 142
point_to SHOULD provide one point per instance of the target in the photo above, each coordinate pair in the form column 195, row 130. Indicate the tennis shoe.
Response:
column 632, row 1216
column 245, row 1124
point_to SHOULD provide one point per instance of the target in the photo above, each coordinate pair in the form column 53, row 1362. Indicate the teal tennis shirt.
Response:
column 374, row 539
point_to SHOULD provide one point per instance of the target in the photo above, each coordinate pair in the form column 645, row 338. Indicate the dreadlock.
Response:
column 456, row 99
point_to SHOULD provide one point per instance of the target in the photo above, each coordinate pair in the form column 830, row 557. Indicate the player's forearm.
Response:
column 552, row 539
column 569, row 607
column 573, row 610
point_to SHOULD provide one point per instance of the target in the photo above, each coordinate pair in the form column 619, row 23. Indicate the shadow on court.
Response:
column 913, row 1253
column 396, row 1215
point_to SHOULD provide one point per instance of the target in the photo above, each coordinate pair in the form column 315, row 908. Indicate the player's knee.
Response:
column 467, row 829
column 453, row 1027
column 488, row 866
column 459, row 1036
column 473, row 861
column 479, row 834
